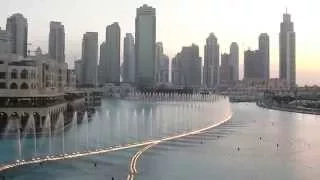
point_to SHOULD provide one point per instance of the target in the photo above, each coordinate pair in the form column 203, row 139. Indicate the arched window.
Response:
column 24, row 74
column 14, row 74
column 24, row 86
column 13, row 86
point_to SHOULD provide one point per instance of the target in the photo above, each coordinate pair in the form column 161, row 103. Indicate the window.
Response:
column 2, row 75
column 13, row 86
column 3, row 85
column 14, row 74
column 24, row 86
column 24, row 74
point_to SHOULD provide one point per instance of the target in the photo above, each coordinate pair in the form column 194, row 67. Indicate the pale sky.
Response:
column 181, row 23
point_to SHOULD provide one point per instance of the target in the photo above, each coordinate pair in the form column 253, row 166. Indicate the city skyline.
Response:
column 174, row 39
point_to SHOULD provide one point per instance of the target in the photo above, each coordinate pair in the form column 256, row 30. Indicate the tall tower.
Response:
column 145, row 49
column 89, row 58
column 211, row 62
column 112, row 61
column 128, row 59
column 57, row 41
column 264, row 48
column 287, row 51
column 17, row 27
column 4, row 42
column 234, row 61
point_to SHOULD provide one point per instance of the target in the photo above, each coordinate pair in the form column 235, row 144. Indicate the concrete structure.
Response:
column 287, row 51
column 234, row 60
column 4, row 42
column 211, row 62
column 56, row 41
column 102, row 74
column 128, row 59
column 110, row 54
column 226, row 69
column 71, row 79
column 253, row 65
column 17, row 28
column 264, row 48
column 145, row 51
column 90, row 59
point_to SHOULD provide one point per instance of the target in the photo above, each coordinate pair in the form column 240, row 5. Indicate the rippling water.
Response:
column 212, row 155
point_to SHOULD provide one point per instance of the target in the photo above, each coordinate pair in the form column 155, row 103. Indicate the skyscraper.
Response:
column 234, row 61
column 128, row 59
column 287, row 51
column 226, row 69
column 191, row 66
column 176, row 70
column 145, row 50
column 162, row 64
column 111, row 66
column 211, row 62
column 89, row 58
column 4, row 42
column 17, row 27
column 264, row 48
column 253, row 65
column 102, row 63
column 57, row 41
column 159, row 53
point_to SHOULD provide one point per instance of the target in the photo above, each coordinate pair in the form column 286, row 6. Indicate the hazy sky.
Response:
column 180, row 23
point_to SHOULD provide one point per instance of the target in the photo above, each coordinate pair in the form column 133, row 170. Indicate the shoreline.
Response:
column 295, row 110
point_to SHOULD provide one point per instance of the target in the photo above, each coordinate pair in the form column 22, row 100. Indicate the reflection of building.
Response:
column 145, row 46
column 89, row 58
column 211, row 62
column 287, row 51
column 17, row 27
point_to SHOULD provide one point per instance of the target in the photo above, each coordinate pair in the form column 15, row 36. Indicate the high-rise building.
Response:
column 145, row 47
column 287, row 54
column 264, row 48
column 4, row 42
column 102, row 63
column 226, row 69
column 57, row 41
column 176, row 70
column 211, row 62
column 89, row 58
column 17, row 28
column 253, row 65
column 162, row 64
column 128, row 59
column 191, row 67
column 234, row 60
column 111, row 67
column 78, row 67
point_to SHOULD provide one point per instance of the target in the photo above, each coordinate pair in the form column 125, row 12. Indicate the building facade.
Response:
column 128, row 59
column 253, row 65
column 57, row 41
column 211, row 62
column 145, row 50
column 226, row 69
column 90, row 59
column 110, row 66
column 17, row 28
column 287, row 56
column 4, row 42
column 265, row 50
column 234, row 60
column 176, row 70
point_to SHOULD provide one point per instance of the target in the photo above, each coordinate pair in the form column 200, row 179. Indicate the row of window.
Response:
column 14, row 74
column 15, row 86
